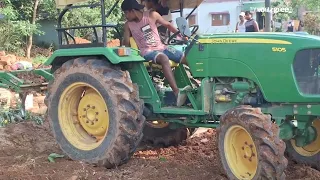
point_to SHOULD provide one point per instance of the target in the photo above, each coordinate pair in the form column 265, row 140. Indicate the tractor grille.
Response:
column 306, row 71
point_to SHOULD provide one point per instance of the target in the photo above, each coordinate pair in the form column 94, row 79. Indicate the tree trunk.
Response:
column 33, row 21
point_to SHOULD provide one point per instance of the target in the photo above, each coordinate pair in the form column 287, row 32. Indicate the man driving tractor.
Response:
column 142, row 26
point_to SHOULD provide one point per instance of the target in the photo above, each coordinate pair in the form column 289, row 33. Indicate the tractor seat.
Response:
column 147, row 64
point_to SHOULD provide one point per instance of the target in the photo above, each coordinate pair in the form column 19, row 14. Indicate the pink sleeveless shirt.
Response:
column 146, row 34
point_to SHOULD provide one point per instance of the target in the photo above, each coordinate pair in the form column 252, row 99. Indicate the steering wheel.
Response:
column 174, row 41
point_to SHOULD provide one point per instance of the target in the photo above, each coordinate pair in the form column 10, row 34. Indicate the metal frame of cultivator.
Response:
column 25, row 81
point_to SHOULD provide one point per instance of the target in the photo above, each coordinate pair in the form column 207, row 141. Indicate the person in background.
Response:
column 290, row 26
column 301, row 25
column 251, row 24
column 240, row 27
column 154, row 5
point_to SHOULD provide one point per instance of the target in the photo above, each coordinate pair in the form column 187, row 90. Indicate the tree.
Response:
column 33, row 22
column 13, row 28
column 23, row 16
column 310, row 4
column 280, row 15
column 312, row 19
column 312, row 23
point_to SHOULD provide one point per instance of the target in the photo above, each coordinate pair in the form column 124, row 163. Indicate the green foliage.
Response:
column 47, row 10
column 10, row 115
column 53, row 156
column 312, row 5
column 311, row 20
column 40, row 59
column 312, row 23
column 280, row 15
column 10, row 39
column 14, row 28
column 18, row 14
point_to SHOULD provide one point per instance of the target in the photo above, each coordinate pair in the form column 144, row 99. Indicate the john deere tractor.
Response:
column 260, row 90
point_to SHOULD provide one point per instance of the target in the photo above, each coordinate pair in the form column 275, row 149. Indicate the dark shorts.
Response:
column 172, row 53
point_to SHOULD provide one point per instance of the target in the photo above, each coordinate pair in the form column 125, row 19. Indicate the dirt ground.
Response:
column 25, row 148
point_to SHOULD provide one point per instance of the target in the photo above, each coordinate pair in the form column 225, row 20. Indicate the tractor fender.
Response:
column 62, row 55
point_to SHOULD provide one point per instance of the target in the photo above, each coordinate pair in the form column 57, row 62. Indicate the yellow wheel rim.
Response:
column 157, row 124
column 83, row 116
column 312, row 148
column 240, row 152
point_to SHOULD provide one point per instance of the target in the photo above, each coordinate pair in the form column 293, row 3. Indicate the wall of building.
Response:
column 50, row 36
column 203, row 15
column 209, row 9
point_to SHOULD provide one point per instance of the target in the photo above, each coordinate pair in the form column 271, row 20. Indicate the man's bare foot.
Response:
column 182, row 96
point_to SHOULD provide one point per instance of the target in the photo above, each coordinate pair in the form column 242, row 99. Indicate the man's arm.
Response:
column 126, row 35
column 158, row 19
column 256, row 27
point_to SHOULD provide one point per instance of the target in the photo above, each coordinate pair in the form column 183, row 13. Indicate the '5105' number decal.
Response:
column 278, row 49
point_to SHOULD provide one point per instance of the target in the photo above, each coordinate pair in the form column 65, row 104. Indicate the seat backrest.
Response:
column 133, row 43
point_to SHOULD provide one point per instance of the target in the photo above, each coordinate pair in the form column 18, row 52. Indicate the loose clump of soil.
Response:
column 24, row 150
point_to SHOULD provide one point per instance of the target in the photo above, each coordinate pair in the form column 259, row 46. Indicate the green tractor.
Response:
column 260, row 90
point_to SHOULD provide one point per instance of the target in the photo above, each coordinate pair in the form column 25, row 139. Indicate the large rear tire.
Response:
column 309, row 154
column 249, row 145
column 159, row 134
column 95, row 112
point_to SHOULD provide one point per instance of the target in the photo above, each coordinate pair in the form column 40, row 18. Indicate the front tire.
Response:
column 95, row 112
column 249, row 145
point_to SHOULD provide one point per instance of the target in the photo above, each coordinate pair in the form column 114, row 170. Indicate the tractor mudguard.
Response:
column 109, row 53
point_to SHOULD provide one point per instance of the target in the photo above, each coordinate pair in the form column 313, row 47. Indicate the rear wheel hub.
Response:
column 92, row 114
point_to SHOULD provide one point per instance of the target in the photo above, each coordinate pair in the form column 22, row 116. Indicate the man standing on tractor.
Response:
column 251, row 24
column 142, row 26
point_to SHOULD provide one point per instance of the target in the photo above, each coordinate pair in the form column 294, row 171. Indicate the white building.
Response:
column 220, row 16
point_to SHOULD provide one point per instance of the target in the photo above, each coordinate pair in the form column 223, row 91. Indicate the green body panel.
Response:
column 109, row 53
column 251, row 56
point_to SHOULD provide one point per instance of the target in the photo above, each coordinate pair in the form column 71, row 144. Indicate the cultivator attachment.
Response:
column 24, row 82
